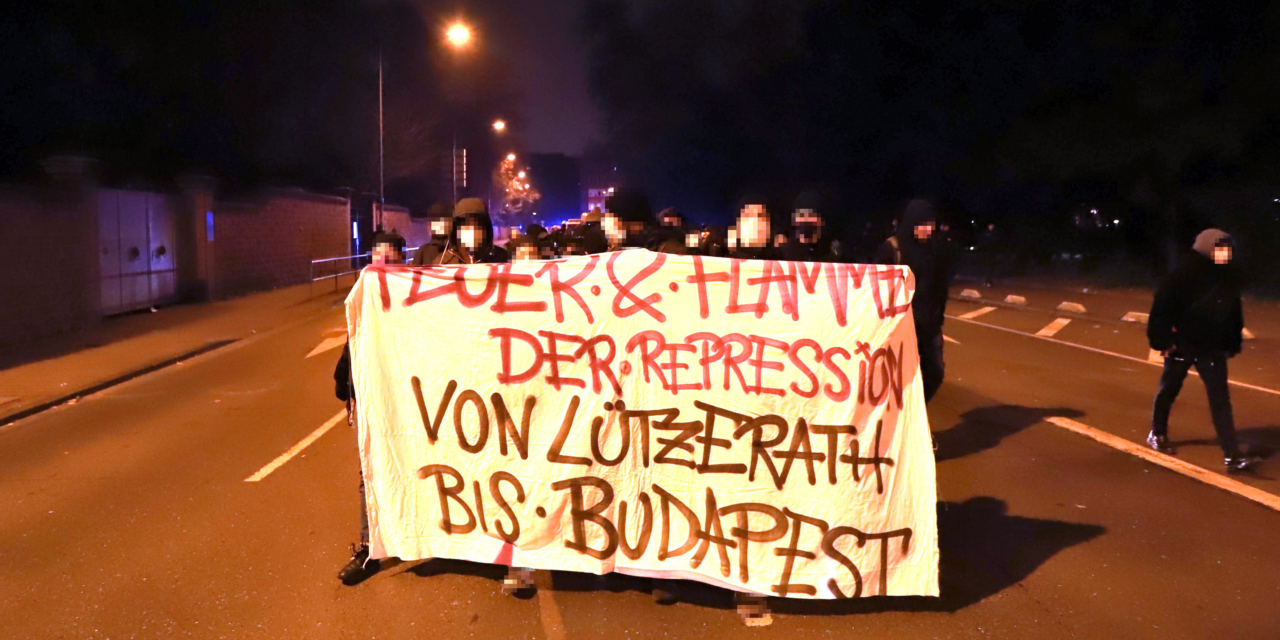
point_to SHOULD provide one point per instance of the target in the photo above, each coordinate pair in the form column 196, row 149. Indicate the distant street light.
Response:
column 459, row 35
column 511, row 157
column 520, row 175
column 499, row 126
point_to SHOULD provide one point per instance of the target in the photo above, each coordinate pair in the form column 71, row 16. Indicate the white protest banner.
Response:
column 756, row 425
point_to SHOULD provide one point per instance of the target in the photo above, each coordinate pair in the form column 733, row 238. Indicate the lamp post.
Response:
column 499, row 128
column 458, row 36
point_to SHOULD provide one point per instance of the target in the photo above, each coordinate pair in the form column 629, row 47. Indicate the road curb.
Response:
column 209, row 350
column 118, row 380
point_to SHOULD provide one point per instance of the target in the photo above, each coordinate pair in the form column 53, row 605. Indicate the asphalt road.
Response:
column 127, row 514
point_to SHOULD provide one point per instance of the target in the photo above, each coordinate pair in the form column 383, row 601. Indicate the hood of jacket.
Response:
column 472, row 211
column 1208, row 240
column 918, row 212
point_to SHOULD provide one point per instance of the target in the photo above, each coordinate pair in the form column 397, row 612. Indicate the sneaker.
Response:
column 1241, row 463
column 360, row 568
column 753, row 609
column 1160, row 442
column 518, row 581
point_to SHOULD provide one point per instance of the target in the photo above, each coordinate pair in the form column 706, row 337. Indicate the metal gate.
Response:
column 136, row 245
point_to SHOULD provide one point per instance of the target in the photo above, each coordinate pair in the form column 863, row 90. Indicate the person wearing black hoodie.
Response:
column 812, row 239
column 471, row 239
column 917, row 245
column 1197, row 320
column 671, row 234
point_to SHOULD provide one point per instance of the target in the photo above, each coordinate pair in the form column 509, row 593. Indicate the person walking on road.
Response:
column 1197, row 320
column 917, row 244
column 388, row 248
column 990, row 247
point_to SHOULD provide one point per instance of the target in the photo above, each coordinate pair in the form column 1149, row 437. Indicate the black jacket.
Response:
column 930, row 261
column 429, row 254
column 342, row 387
column 1198, row 309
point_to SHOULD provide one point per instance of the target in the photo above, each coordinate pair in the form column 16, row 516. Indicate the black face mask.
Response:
column 810, row 233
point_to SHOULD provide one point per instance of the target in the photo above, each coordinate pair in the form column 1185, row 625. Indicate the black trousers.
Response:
column 364, row 511
column 364, row 514
column 931, row 366
column 1212, row 367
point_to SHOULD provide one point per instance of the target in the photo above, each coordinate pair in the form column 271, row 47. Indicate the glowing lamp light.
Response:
column 520, row 175
column 459, row 34
column 511, row 157
column 499, row 125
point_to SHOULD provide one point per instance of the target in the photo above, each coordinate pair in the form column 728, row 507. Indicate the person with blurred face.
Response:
column 810, row 240
column 754, row 232
column 388, row 248
column 671, row 219
column 526, row 249
column 1197, row 319
column 441, row 225
column 614, row 230
column 472, row 238
column 672, row 236
column 807, row 224
column 916, row 245
column 753, row 226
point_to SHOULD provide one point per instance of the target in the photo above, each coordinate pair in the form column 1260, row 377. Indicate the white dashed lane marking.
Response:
column 1053, row 327
column 327, row 344
column 297, row 448
column 1113, row 354
column 977, row 312
column 1169, row 462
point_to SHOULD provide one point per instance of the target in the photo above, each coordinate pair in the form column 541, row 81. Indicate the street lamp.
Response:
column 459, row 35
column 511, row 157
column 499, row 126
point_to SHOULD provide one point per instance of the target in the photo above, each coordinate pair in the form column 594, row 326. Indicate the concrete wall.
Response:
column 269, row 241
column 50, row 280
column 48, row 262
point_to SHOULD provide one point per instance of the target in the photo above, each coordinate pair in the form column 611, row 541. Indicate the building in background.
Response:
column 599, row 177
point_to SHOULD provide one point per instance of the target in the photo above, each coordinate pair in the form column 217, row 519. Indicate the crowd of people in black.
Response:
column 1196, row 319
column 467, row 237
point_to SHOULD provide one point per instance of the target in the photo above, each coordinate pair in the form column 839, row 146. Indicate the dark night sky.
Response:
column 541, row 42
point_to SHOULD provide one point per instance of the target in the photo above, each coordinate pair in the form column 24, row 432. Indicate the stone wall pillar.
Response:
column 197, row 230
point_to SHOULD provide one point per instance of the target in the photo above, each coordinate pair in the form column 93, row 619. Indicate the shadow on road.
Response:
column 983, row 428
column 441, row 566
column 1263, row 442
column 984, row 551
